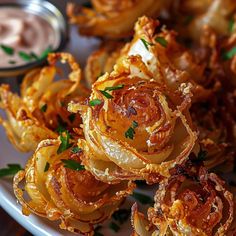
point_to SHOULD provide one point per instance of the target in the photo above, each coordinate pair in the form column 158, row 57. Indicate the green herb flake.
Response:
column 146, row 43
column 71, row 117
column 75, row 150
column 162, row 41
column 230, row 54
column 95, row 102
column 131, row 132
column 46, row 168
column 121, row 216
column 45, row 53
column 72, row 164
column 134, row 124
column 10, row 170
column 106, row 94
column 114, row 226
column 34, row 56
column 12, row 62
column 8, row 50
column 142, row 198
column 202, row 155
column 60, row 129
column 25, row 56
column 231, row 25
column 112, row 88
column 65, row 142
column 44, row 108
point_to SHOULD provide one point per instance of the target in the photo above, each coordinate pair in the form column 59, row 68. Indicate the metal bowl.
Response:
column 48, row 12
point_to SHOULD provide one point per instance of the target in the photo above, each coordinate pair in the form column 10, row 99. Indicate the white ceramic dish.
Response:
column 80, row 47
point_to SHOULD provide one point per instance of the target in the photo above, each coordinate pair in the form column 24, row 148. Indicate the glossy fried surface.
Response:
column 56, row 192
column 156, row 102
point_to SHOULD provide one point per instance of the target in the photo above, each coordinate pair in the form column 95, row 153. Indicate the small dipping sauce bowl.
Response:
column 29, row 30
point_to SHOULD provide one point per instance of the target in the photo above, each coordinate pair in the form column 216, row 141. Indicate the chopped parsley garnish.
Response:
column 8, row 50
column 162, row 41
column 46, row 52
column 230, row 54
column 121, row 216
column 231, row 25
column 146, row 43
column 71, row 117
column 202, row 155
column 72, row 164
column 44, row 108
column 76, row 150
column 112, row 88
column 142, row 198
column 95, row 102
column 106, row 94
column 60, row 129
column 10, row 170
column 131, row 132
column 25, row 56
column 65, row 142
column 46, row 168
column 134, row 124
column 114, row 226
column 34, row 56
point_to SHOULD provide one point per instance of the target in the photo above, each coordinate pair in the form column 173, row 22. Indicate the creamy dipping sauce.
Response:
column 24, row 32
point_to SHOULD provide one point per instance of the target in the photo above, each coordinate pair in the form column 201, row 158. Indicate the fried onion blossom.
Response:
column 159, row 107
column 41, row 108
column 60, row 188
column 139, row 126
column 113, row 18
column 191, row 202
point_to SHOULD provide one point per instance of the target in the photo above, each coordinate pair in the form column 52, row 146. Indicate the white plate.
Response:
column 80, row 47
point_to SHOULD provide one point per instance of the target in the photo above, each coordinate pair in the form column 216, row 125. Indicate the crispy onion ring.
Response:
column 28, row 123
column 191, row 202
column 215, row 120
column 113, row 18
column 23, row 130
column 163, row 136
column 38, row 89
column 169, row 62
column 75, row 198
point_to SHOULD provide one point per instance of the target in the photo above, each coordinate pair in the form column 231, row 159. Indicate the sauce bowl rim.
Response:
column 44, row 4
